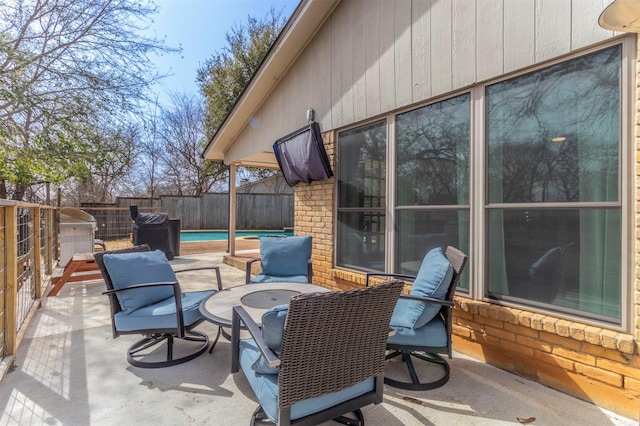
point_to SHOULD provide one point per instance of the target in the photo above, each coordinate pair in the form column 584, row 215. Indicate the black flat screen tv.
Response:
column 302, row 157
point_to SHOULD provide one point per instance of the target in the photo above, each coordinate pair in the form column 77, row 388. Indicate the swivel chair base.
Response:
column 138, row 350
column 260, row 416
column 415, row 383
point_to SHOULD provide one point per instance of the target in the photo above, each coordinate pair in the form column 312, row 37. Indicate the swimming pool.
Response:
column 190, row 236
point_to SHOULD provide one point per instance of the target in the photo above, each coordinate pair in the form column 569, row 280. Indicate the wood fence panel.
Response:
column 187, row 209
column 264, row 211
column 215, row 211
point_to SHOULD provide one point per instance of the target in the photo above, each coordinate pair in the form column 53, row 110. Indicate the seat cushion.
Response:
column 127, row 269
column 433, row 280
column 433, row 334
column 273, row 322
column 285, row 255
column 265, row 387
column 261, row 278
column 162, row 315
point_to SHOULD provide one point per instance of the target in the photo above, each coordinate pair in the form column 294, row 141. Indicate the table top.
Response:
column 255, row 298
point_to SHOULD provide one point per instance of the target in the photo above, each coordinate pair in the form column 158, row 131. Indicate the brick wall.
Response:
column 314, row 215
column 591, row 363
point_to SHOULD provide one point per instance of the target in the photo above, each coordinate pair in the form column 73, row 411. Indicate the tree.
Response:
column 225, row 75
column 183, row 136
column 64, row 64
column 113, row 158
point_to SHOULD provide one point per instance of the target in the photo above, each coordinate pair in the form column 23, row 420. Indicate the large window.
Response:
column 553, row 138
column 524, row 174
column 432, row 181
column 361, row 228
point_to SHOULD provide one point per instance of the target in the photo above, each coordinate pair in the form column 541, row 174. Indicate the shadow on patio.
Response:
column 70, row 371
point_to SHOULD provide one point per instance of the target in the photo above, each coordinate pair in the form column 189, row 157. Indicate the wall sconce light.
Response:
column 310, row 115
column 621, row 15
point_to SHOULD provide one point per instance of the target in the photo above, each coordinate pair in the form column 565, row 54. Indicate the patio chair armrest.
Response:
column 427, row 299
column 205, row 268
column 248, row 270
column 176, row 296
column 240, row 315
column 131, row 287
column 309, row 271
column 383, row 274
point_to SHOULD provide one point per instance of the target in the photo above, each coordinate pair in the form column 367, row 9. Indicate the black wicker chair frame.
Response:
column 331, row 342
column 421, row 351
column 153, row 337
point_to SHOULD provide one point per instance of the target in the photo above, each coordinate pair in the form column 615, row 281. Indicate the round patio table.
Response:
column 255, row 298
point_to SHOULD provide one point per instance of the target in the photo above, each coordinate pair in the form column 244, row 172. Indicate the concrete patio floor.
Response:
column 69, row 371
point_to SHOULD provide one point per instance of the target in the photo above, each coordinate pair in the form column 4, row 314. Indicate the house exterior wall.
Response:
column 419, row 50
column 376, row 56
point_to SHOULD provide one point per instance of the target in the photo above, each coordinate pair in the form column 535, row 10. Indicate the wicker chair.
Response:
column 178, row 314
column 331, row 357
column 425, row 341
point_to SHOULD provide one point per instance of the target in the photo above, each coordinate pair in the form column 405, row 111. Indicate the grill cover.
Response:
column 152, row 229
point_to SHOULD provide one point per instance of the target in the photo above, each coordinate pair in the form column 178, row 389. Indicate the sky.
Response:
column 199, row 27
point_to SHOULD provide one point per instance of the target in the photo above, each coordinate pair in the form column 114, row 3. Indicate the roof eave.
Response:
column 305, row 21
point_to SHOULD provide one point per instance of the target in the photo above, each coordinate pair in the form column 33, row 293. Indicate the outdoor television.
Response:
column 302, row 157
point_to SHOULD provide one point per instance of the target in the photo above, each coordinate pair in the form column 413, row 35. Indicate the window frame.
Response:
column 478, row 206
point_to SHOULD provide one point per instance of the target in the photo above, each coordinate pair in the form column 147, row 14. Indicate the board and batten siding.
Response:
column 375, row 56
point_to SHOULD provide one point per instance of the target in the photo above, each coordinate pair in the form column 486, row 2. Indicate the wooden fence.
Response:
column 211, row 211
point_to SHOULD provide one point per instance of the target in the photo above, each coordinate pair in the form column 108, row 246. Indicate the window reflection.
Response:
column 553, row 136
column 432, row 154
column 361, row 197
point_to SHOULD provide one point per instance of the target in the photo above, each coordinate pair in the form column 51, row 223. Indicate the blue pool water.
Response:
column 187, row 236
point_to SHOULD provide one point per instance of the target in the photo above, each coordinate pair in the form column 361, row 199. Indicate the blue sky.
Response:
column 199, row 27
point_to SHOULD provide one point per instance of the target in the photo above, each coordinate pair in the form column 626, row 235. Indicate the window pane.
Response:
column 553, row 134
column 361, row 157
column 361, row 240
column 566, row 258
column 433, row 154
column 420, row 231
column 362, row 165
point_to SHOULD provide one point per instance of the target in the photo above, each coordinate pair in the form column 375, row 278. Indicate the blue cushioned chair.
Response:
column 318, row 359
column 283, row 259
column 422, row 319
column 146, row 299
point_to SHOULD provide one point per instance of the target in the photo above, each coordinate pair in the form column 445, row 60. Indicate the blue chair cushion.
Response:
column 273, row 322
column 127, row 269
column 433, row 280
column 265, row 387
column 285, row 255
column 433, row 334
column 545, row 268
column 261, row 278
column 162, row 315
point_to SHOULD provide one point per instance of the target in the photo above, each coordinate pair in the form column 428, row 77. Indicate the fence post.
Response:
column 49, row 228
column 37, row 252
column 11, row 242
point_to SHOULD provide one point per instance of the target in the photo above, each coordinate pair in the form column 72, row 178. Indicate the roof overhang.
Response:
column 305, row 21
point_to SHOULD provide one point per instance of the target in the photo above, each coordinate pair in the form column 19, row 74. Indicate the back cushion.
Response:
column 433, row 280
column 127, row 269
column 285, row 255
column 273, row 322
